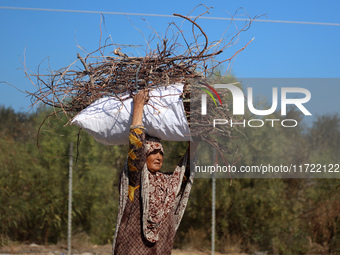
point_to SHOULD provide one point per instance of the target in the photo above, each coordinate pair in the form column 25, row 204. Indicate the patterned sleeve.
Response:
column 182, row 171
column 136, row 155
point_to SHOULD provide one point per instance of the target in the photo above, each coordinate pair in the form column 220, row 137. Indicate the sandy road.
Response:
column 34, row 249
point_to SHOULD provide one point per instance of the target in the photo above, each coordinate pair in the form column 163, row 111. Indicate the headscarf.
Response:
column 151, row 144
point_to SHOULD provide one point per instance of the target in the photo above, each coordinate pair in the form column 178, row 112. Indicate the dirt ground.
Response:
column 34, row 249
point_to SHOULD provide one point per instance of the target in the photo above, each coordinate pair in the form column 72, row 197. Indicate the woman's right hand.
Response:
column 141, row 97
column 139, row 100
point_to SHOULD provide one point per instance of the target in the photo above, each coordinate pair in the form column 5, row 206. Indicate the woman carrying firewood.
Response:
column 151, row 203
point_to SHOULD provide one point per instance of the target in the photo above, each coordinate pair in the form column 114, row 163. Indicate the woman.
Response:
column 151, row 203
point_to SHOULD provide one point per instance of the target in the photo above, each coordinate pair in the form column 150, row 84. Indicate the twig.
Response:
column 86, row 68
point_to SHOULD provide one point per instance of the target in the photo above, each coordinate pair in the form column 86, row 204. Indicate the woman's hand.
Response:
column 139, row 100
column 141, row 97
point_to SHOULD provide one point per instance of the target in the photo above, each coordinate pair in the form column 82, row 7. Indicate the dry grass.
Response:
column 230, row 244
column 196, row 239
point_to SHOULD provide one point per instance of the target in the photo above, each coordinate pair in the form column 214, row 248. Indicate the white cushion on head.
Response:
column 108, row 119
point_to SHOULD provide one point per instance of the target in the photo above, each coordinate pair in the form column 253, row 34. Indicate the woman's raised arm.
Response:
column 139, row 101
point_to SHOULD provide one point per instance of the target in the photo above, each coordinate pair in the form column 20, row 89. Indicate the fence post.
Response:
column 69, row 227
column 213, row 219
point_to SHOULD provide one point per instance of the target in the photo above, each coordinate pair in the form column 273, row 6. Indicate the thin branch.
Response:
column 86, row 68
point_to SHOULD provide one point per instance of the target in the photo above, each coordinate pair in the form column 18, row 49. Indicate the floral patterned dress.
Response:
column 151, row 205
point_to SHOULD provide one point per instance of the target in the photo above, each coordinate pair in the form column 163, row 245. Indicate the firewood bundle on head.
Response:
column 121, row 75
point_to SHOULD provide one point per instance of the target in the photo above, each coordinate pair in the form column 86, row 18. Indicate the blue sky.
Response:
column 279, row 50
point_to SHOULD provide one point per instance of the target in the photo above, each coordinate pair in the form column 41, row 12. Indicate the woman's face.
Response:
column 154, row 161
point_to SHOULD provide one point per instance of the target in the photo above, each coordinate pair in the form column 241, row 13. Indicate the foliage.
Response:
column 34, row 183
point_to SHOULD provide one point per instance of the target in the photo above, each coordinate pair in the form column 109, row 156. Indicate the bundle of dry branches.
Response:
column 70, row 91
